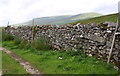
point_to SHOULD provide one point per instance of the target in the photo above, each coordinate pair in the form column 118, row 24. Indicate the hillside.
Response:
column 64, row 19
column 109, row 18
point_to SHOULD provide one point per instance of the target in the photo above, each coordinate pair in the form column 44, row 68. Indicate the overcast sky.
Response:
column 17, row 11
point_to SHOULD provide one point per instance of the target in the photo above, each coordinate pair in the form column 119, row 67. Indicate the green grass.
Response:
column 109, row 18
column 10, row 66
column 1, row 36
column 0, row 60
column 86, row 15
column 49, row 61
column 40, row 44
column 6, row 37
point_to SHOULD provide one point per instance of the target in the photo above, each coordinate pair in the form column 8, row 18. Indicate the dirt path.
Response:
column 0, row 72
column 26, row 65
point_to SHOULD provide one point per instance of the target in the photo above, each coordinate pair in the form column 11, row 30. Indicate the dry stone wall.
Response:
column 94, row 39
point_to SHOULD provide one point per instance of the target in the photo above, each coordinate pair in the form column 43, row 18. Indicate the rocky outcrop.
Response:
column 94, row 39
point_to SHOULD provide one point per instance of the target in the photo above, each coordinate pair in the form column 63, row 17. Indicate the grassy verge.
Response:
column 10, row 66
column 59, row 62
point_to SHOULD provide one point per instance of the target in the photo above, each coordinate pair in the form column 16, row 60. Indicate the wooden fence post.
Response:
column 113, row 41
column 33, row 28
column 116, row 30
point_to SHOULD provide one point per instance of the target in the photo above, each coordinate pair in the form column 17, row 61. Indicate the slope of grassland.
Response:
column 63, row 19
column 106, row 18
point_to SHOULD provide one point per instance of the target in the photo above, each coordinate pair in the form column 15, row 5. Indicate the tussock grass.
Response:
column 40, row 44
column 6, row 37
column 37, row 44
column 17, row 41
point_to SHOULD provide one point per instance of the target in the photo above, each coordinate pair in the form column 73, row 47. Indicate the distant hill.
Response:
column 64, row 19
column 106, row 18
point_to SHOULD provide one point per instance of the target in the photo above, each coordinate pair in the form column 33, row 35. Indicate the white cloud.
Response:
column 17, row 11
